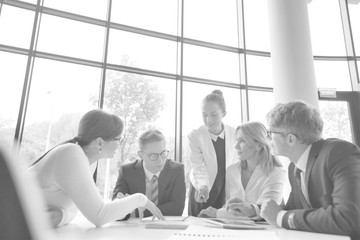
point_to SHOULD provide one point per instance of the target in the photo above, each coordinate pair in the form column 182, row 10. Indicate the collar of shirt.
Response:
column 215, row 137
column 149, row 174
column 301, row 163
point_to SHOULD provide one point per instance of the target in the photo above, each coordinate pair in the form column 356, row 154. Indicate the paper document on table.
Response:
column 201, row 232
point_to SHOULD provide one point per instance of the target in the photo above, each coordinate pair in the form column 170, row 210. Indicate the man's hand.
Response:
column 202, row 195
column 269, row 211
column 153, row 209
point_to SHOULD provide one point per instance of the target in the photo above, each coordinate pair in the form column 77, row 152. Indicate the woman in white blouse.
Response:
column 64, row 174
column 257, row 176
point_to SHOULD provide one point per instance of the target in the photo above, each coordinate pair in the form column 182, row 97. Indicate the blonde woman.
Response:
column 256, row 177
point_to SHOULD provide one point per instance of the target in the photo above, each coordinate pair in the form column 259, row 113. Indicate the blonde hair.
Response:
column 257, row 132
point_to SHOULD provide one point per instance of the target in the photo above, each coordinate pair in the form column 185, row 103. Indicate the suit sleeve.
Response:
column 198, row 174
column 121, row 184
column 342, row 213
column 176, row 203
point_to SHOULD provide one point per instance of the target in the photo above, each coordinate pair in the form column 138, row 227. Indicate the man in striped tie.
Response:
column 161, row 179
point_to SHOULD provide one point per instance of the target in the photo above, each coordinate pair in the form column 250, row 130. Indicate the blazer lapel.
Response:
column 140, row 177
column 314, row 152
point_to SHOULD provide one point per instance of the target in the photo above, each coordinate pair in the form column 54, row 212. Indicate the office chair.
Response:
column 22, row 215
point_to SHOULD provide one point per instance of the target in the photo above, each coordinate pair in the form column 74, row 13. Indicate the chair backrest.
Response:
column 22, row 208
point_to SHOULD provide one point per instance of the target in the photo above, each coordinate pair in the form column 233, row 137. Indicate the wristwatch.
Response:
column 291, row 221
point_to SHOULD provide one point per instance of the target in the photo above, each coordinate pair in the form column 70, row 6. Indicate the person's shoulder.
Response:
column 197, row 131
column 131, row 165
column 68, row 149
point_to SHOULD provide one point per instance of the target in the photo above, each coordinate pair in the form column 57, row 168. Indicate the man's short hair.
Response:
column 298, row 118
column 149, row 136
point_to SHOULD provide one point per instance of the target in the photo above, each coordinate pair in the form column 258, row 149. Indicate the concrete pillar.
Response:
column 291, row 52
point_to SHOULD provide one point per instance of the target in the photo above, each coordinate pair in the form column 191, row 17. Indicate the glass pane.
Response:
column 326, row 28
column 12, row 76
column 89, row 8
column 256, row 25
column 16, row 26
column 135, row 50
column 335, row 115
column 60, row 94
column 332, row 74
column 208, row 63
column 260, row 103
column 354, row 11
column 156, row 15
column 211, row 21
column 71, row 38
column 142, row 102
column 259, row 71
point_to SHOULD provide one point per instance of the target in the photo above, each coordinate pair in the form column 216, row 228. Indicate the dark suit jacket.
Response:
column 333, row 182
column 171, row 185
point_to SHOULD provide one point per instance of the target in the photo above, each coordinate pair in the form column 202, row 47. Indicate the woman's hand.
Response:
column 241, row 209
column 153, row 209
column 202, row 195
column 210, row 212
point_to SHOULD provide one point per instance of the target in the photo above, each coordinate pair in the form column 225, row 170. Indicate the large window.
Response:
column 113, row 54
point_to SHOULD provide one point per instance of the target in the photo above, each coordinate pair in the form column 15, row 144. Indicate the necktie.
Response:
column 154, row 190
column 302, row 199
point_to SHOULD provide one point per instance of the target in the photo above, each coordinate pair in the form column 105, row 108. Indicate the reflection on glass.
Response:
column 259, row 72
column 12, row 73
column 211, row 21
column 326, row 28
column 156, row 15
column 14, row 30
column 141, row 51
column 332, row 74
column 212, row 64
column 260, row 103
column 89, row 8
column 354, row 11
column 335, row 115
column 142, row 102
column 256, row 25
column 71, row 38
column 59, row 96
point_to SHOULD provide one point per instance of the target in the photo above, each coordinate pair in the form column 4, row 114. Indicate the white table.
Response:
column 81, row 228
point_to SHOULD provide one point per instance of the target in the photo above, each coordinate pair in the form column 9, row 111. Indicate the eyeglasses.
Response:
column 154, row 156
column 269, row 133
column 119, row 139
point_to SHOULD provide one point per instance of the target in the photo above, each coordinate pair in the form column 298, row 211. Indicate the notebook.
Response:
column 201, row 232
column 170, row 222
column 244, row 224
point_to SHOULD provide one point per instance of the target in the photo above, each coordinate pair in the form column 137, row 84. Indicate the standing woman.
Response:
column 211, row 151
column 64, row 174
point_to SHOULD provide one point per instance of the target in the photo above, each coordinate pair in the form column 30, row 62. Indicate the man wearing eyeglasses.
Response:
column 324, row 174
column 162, row 180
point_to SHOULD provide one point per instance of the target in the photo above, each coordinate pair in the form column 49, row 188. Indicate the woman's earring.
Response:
column 99, row 150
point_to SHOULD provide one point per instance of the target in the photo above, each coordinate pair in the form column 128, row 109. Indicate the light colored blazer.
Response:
column 203, row 156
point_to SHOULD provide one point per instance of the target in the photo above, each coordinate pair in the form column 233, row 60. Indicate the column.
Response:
column 291, row 52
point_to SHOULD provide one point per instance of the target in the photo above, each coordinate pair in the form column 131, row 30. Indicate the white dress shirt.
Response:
column 300, row 164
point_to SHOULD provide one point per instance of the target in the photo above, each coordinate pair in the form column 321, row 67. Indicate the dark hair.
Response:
column 216, row 96
column 94, row 124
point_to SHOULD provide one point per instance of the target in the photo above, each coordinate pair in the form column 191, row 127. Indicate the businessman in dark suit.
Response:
column 324, row 174
column 162, row 180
